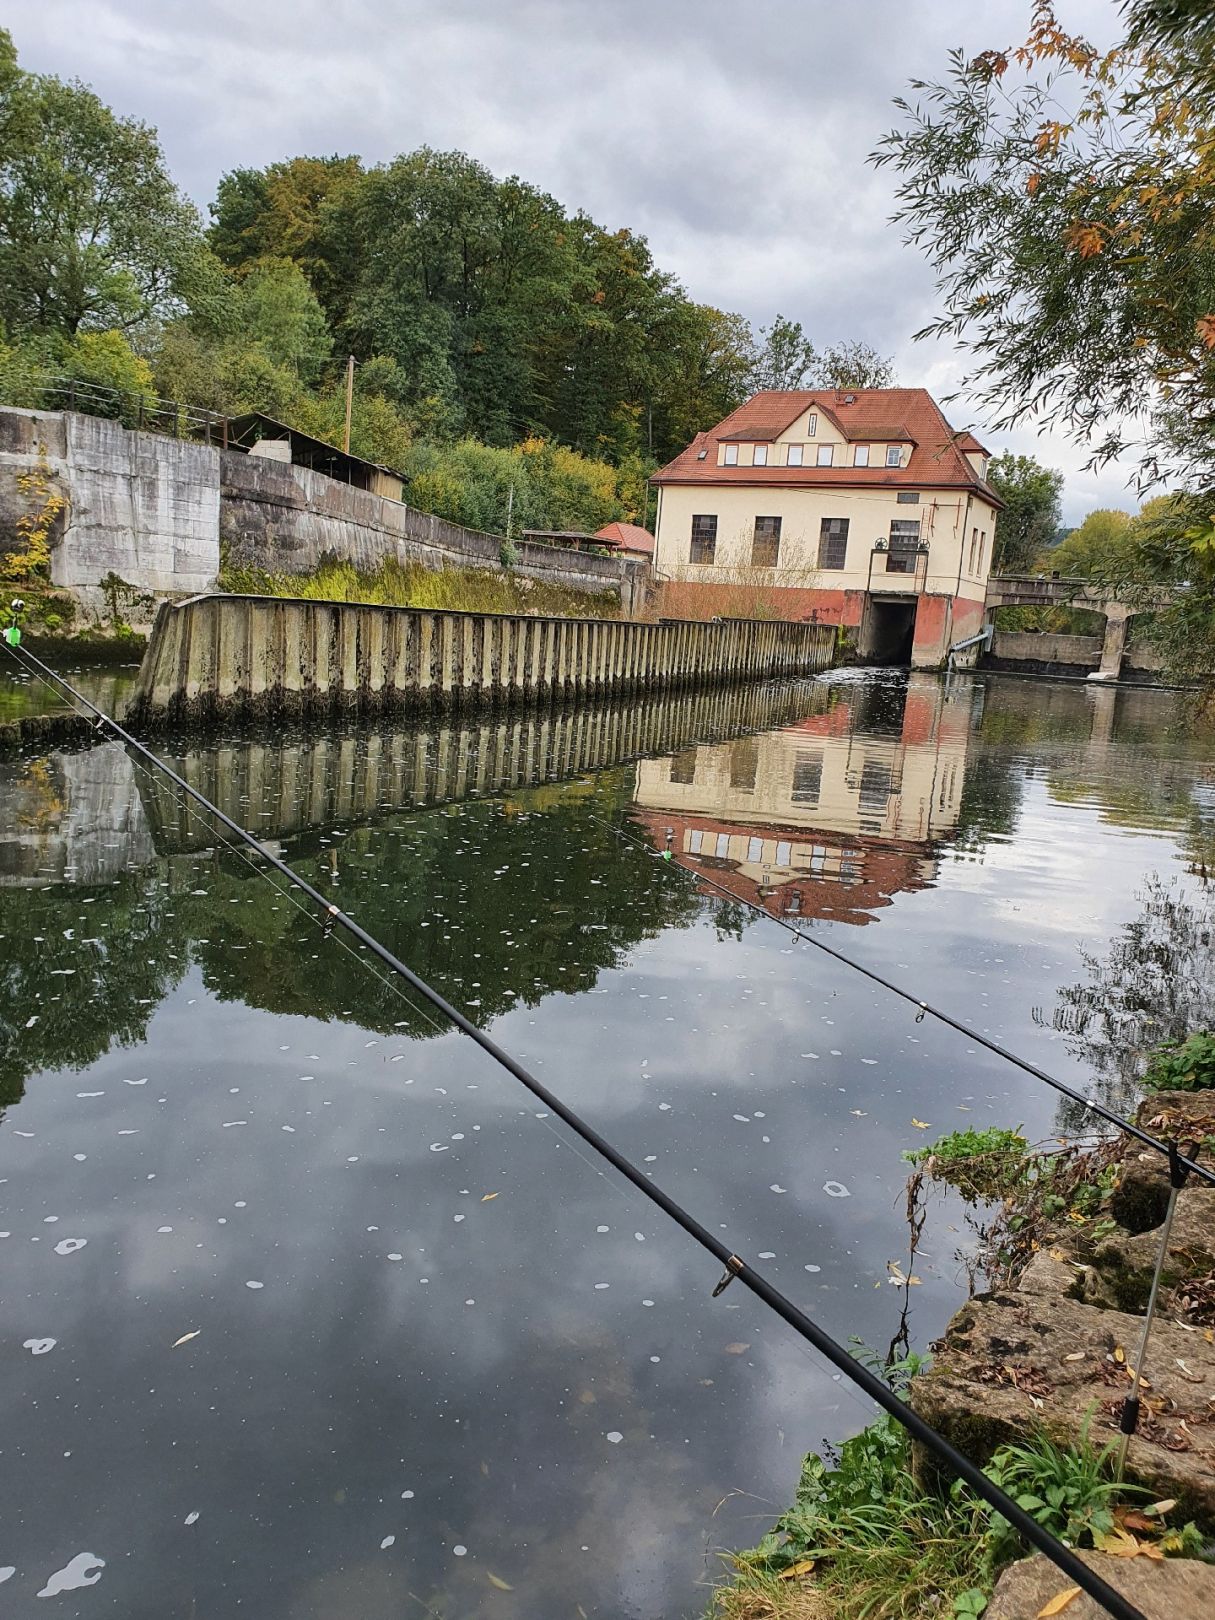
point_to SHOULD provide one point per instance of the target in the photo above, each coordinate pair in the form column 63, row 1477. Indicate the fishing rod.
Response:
column 331, row 917
column 1178, row 1161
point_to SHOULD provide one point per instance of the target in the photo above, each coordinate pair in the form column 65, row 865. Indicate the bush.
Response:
column 980, row 1164
column 1187, row 1065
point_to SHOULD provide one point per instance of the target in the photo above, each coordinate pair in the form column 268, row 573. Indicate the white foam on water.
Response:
column 836, row 1189
column 614, row 1437
column 70, row 1245
column 39, row 1347
column 74, row 1575
column 254, row 1285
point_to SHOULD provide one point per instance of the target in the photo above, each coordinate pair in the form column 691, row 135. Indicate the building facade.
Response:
column 860, row 508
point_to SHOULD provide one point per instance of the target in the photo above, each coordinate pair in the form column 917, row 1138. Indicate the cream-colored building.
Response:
column 859, row 508
column 788, row 816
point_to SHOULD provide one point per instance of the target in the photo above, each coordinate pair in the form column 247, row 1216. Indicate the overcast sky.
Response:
column 734, row 136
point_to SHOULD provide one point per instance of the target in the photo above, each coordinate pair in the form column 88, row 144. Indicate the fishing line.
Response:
column 331, row 916
column 1190, row 1166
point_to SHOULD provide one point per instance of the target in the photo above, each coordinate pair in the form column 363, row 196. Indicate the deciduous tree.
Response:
column 1030, row 520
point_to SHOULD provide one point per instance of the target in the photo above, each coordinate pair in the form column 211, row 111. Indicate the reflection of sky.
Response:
column 485, row 1369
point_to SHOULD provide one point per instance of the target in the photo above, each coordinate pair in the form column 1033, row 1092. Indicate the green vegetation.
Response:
column 1030, row 520
column 1187, row 1065
column 981, row 1164
column 864, row 1540
column 513, row 357
column 456, row 590
column 1075, row 257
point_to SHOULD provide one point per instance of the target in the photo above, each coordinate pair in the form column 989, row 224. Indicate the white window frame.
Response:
column 894, row 455
column 826, row 455
column 730, row 459
column 795, row 455
column 860, row 456
column 811, row 425
column 759, row 455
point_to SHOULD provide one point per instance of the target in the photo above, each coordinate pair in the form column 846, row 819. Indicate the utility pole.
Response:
column 349, row 401
column 510, row 509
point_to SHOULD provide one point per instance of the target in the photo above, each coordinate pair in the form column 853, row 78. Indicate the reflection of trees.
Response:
column 1156, row 984
column 495, row 905
column 990, row 802
column 88, row 992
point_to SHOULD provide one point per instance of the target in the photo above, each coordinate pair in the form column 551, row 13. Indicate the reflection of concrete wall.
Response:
column 74, row 818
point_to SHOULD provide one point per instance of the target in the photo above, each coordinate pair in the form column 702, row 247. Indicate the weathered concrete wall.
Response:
column 139, row 506
column 153, row 510
column 250, row 656
column 1049, row 654
column 289, row 519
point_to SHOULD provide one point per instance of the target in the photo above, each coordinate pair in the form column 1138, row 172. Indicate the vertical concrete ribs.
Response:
column 254, row 657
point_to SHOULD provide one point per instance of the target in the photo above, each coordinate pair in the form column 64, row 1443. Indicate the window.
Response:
column 723, row 846
column 904, row 543
column 825, row 454
column 759, row 456
column 860, row 456
column 807, row 775
column 755, row 850
column 744, row 762
column 765, row 543
column 696, row 841
column 784, row 854
column 701, row 454
column 908, row 497
column 875, row 785
column 974, row 546
column 982, row 547
column 795, row 455
column 704, row 537
column 894, row 455
column 683, row 766
column 731, row 457
column 812, row 426
column 833, row 543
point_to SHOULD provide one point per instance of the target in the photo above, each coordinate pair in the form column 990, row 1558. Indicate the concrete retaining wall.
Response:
column 1049, row 654
column 289, row 519
column 153, row 511
column 252, row 656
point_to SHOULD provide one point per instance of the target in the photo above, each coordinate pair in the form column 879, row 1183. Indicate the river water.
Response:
column 310, row 1311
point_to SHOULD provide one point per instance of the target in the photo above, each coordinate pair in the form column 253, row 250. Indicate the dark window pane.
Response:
column 765, row 544
column 875, row 785
column 683, row 766
column 833, row 543
column 904, row 540
column 807, row 775
column 908, row 497
column 704, row 537
column 744, row 760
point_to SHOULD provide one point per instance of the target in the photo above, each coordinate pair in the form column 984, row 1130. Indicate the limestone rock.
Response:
column 1177, row 1589
column 1013, row 1363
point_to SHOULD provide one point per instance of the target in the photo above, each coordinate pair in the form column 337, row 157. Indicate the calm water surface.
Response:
column 310, row 1311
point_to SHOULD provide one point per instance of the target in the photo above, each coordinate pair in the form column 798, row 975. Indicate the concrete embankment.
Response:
column 244, row 657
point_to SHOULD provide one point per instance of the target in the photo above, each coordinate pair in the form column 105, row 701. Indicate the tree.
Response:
column 1031, row 516
column 277, row 308
column 93, row 232
column 1067, row 209
column 785, row 357
column 1098, row 549
column 853, row 365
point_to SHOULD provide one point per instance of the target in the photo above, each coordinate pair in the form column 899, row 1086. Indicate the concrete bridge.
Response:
column 1038, row 590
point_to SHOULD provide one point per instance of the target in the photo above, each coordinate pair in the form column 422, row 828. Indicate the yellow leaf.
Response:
column 921, row 1124
column 1058, row 1603
column 489, row 1197
column 802, row 1567
column 496, row 1580
column 185, row 1338
column 1119, row 1354
column 737, row 1349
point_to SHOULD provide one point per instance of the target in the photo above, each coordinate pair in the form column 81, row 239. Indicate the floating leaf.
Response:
column 496, row 1580
column 737, row 1349
column 921, row 1124
column 1059, row 1602
column 489, row 1198
column 802, row 1567
column 185, row 1338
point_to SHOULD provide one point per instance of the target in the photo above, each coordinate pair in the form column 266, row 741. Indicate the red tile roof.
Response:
column 864, row 415
column 628, row 536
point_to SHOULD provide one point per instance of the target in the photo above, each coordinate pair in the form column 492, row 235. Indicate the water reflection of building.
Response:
column 831, row 816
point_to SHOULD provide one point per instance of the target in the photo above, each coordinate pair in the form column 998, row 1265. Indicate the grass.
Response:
column 450, row 590
column 1187, row 1065
column 981, row 1164
column 863, row 1541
